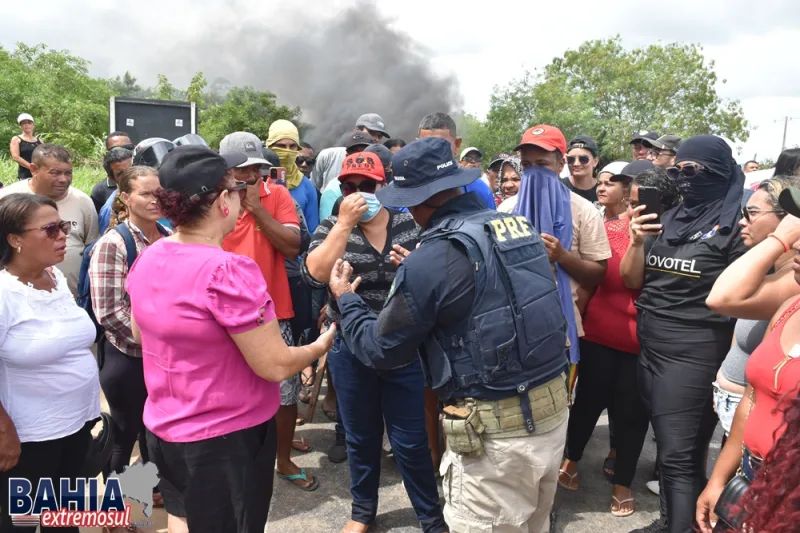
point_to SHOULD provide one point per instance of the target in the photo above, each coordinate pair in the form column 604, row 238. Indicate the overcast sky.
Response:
column 481, row 43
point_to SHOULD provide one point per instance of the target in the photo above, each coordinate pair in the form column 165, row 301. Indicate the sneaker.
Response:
column 654, row 486
column 338, row 452
column 658, row 526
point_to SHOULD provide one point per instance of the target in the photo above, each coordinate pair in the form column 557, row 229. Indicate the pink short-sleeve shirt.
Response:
column 187, row 299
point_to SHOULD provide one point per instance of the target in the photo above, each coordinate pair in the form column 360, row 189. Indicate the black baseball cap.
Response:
column 789, row 200
column 585, row 142
column 358, row 138
column 196, row 170
column 498, row 159
column 665, row 142
column 641, row 135
column 423, row 168
column 631, row 170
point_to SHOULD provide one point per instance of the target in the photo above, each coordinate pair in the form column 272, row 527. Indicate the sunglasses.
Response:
column 367, row 186
column 241, row 188
column 470, row 159
column 584, row 159
column 126, row 146
column 53, row 229
column 752, row 213
column 687, row 171
column 303, row 160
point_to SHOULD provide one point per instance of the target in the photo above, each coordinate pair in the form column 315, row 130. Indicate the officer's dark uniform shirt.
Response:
column 678, row 279
column 434, row 285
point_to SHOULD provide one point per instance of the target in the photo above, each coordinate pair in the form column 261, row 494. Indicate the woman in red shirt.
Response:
column 773, row 376
column 608, row 366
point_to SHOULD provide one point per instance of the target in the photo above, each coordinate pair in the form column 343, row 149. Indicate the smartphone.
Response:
column 278, row 175
column 651, row 198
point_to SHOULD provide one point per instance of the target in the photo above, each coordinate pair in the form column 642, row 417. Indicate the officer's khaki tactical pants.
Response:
column 508, row 489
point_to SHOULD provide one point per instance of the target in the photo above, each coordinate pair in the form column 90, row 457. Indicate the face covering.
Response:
column 289, row 162
column 373, row 206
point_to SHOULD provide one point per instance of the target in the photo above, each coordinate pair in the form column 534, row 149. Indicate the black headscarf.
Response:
column 711, row 198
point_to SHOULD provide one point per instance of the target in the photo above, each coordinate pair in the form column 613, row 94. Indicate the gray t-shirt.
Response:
column 77, row 208
column 747, row 335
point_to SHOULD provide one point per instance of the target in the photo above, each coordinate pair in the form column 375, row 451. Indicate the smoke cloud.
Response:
column 334, row 68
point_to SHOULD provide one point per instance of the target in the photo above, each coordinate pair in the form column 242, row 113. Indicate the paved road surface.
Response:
column 328, row 508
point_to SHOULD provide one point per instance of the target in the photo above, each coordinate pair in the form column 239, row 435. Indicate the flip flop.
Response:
column 303, row 476
column 572, row 485
column 307, row 380
column 608, row 468
column 301, row 445
column 330, row 413
column 619, row 513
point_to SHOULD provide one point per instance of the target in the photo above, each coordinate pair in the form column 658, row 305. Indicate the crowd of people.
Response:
column 477, row 320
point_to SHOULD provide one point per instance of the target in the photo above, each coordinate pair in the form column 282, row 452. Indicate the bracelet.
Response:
column 786, row 247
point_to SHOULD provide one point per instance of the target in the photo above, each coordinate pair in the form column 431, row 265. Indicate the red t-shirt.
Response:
column 248, row 239
column 765, row 425
column 610, row 317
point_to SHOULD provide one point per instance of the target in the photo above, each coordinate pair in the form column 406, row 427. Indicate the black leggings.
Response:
column 52, row 459
column 677, row 366
column 122, row 379
column 607, row 379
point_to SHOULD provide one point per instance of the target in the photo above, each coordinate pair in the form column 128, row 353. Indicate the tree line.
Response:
column 601, row 89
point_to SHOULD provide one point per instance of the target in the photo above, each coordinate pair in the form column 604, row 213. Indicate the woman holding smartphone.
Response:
column 683, row 342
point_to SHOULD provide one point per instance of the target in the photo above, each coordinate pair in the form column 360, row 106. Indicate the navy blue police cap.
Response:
column 422, row 169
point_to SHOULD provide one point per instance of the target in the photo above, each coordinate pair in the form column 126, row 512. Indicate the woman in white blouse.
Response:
column 49, row 388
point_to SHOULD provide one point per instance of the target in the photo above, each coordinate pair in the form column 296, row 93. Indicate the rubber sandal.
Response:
column 299, row 421
column 307, row 380
column 619, row 513
column 572, row 485
column 301, row 445
column 609, row 464
column 303, row 476
column 330, row 413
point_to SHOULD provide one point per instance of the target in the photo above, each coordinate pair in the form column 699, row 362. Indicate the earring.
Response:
column 19, row 249
column 225, row 211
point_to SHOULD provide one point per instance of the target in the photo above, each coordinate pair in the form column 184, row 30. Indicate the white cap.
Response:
column 614, row 167
column 469, row 149
column 24, row 116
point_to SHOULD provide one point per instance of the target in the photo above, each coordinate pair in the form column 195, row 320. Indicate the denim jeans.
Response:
column 725, row 404
column 366, row 397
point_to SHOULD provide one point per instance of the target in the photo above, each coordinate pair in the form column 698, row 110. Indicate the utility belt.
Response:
column 537, row 410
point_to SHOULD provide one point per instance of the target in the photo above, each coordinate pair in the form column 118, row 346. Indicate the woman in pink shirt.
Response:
column 212, row 353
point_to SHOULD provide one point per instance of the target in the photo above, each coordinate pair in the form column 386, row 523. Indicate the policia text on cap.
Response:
column 478, row 302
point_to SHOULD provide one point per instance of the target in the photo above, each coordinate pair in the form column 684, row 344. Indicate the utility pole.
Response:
column 785, row 127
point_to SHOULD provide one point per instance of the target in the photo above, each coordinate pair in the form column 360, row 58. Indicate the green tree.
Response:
column 126, row 85
column 608, row 92
column 246, row 109
column 164, row 90
column 194, row 93
column 69, row 106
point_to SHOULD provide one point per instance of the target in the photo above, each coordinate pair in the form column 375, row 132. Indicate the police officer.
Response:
column 478, row 301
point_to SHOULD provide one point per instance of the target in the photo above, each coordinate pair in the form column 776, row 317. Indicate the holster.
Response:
column 463, row 429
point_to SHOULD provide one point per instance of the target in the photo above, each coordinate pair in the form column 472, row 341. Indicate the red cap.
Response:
column 548, row 137
column 365, row 164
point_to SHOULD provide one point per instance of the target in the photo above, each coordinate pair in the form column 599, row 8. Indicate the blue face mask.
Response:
column 373, row 206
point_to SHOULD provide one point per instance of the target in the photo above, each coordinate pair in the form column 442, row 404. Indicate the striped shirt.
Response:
column 108, row 271
column 375, row 268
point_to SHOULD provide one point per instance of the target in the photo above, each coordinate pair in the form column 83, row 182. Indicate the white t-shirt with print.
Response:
column 49, row 382
column 77, row 208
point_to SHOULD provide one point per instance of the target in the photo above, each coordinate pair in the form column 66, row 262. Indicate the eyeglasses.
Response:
column 471, row 159
column 687, row 171
column 367, row 186
column 241, row 188
column 52, row 230
column 303, row 160
column 752, row 213
column 584, row 159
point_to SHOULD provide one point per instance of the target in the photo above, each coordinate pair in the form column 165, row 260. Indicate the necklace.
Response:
column 195, row 235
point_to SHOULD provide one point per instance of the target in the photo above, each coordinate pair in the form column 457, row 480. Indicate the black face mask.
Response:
column 703, row 187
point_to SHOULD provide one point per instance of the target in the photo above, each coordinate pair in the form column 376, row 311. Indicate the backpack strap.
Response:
column 130, row 243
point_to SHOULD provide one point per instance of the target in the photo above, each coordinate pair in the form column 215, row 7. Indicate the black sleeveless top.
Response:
column 26, row 152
